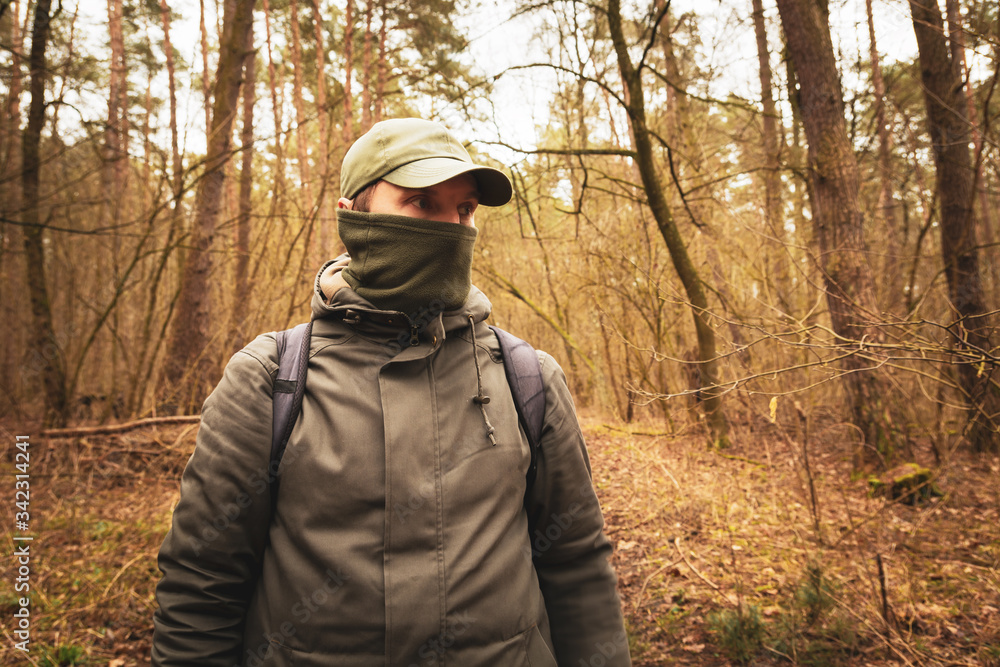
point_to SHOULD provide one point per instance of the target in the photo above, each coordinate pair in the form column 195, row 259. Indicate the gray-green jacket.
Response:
column 399, row 534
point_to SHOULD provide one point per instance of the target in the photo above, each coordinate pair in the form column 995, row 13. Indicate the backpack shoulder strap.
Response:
column 289, row 386
column 524, row 375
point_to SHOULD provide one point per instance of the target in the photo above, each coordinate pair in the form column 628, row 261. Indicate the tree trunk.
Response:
column 205, row 89
column 348, row 72
column 177, row 222
column 325, row 213
column 113, row 139
column 175, row 153
column 113, row 169
column 382, row 67
column 47, row 353
column 307, row 211
column 686, row 271
column 241, row 283
column 10, row 158
column 366, row 65
column 278, row 194
column 837, row 219
column 949, row 130
column 773, row 217
column 147, row 133
column 122, row 164
column 892, row 292
column 956, row 36
column 187, row 353
column 11, row 236
column 772, row 182
column 800, row 300
column 301, row 140
column 674, row 97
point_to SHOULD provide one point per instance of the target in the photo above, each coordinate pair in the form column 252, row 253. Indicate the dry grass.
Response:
column 703, row 539
column 706, row 544
column 99, row 510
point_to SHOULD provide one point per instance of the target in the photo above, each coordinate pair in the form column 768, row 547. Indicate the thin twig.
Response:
column 119, row 428
column 677, row 543
column 126, row 566
column 642, row 589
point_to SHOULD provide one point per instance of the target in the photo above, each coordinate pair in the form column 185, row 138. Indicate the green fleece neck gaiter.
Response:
column 407, row 264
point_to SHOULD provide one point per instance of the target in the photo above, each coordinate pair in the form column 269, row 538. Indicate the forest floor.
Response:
column 722, row 557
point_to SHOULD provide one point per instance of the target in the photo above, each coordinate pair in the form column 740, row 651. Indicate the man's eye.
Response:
column 421, row 203
column 467, row 209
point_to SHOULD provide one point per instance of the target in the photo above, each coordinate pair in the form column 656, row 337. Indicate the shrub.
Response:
column 740, row 631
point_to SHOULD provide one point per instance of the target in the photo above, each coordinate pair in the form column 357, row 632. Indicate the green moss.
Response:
column 909, row 482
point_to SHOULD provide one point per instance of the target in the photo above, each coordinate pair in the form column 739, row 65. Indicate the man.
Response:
column 402, row 529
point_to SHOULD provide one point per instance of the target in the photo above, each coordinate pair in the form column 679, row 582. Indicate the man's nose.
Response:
column 454, row 217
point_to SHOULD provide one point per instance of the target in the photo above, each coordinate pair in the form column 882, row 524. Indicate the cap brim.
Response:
column 494, row 186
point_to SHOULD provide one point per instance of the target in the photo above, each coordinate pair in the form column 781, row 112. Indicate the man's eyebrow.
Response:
column 474, row 193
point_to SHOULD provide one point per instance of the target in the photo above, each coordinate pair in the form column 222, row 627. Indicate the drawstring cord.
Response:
column 481, row 398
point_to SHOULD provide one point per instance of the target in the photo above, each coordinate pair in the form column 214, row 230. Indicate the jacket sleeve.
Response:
column 569, row 548
column 210, row 558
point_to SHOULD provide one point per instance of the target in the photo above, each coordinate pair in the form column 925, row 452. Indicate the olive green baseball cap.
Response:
column 416, row 153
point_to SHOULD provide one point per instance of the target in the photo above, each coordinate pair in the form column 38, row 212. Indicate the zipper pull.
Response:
column 414, row 335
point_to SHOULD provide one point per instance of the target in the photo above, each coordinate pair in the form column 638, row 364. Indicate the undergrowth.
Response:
column 749, row 557
column 720, row 556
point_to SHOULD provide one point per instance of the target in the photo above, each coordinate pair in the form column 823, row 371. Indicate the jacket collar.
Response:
column 348, row 306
